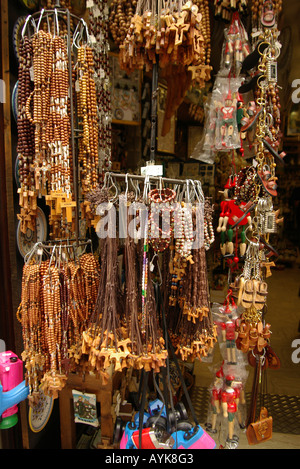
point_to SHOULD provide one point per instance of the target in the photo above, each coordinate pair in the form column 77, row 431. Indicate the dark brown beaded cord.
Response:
column 25, row 146
column 121, row 13
column 99, row 31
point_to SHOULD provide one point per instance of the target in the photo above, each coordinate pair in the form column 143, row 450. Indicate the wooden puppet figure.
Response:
column 229, row 405
column 216, row 393
column 231, row 212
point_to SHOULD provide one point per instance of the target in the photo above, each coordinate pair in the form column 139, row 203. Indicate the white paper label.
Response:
column 152, row 170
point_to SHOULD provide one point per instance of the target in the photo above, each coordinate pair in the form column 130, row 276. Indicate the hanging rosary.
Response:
column 99, row 33
column 57, row 299
column 88, row 119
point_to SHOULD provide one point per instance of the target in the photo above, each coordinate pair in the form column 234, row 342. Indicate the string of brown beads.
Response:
column 205, row 28
column 25, row 147
column 88, row 120
column 99, row 34
column 121, row 13
column 42, row 62
column 49, row 23
column 58, row 128
column 57, row 300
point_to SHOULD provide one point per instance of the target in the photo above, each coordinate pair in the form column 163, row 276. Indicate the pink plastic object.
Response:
column 205, row 442
column 11, row 374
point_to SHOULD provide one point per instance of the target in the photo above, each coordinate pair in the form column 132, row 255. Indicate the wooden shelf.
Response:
column 88, row 384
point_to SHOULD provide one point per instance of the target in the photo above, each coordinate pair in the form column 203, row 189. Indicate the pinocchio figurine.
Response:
column 229, row 403
column 215, row 400
column 229, row 336
column 231, row 212
column 227, row 120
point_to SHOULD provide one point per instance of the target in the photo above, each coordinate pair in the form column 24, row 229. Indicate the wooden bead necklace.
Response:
column 84, row 281
column 53, row 380
column 29, row 316
column 161, row 207
column 121, row 12
column 58, row 128
column 25, row 145
column 57, row 301
column 162, row 195
column 203, row 6
column 48, row 111
column 42, row 70
column 184, row 233
column 88, row 120
column 99, row 38
column 209, row 236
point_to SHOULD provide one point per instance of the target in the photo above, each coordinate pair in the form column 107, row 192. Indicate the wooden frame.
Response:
column 103, row 394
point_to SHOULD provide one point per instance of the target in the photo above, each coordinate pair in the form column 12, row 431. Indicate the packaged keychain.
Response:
column 221, row 132
column 235, row 48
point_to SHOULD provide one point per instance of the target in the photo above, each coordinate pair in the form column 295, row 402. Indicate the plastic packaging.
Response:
column 236, row 47
column 221, row 131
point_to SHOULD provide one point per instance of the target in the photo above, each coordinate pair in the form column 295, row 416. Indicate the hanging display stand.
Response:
column 58, row 11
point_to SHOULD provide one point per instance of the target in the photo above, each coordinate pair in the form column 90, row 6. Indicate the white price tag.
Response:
column 152, row 170
column 96, row 12
column 31, row 72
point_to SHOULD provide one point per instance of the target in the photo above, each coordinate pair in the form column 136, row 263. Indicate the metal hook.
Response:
column 200, row 191
column 188, row 190
column 78, row 34
column 126, row 182
column 160, row 185
column 113, row 184
column 56, row 23
column 146, row 187
column 29, row 18
column 52, row 254
column 136, row 189
column 40, row 19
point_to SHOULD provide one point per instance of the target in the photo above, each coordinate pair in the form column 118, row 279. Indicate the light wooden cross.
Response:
column 181, row 27
column 268, row 266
